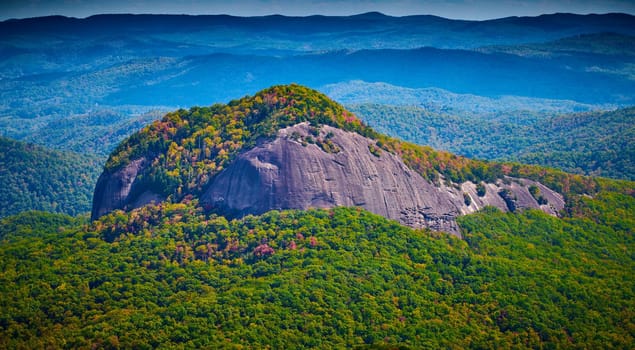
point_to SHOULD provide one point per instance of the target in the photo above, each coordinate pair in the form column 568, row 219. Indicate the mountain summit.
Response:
column 290, row 147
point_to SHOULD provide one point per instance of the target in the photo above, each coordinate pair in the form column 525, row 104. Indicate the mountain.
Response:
column 97, row 131
column 215, row 77
column 611, row 53
column 35, row 178
column 591, row 143
column 594, row 143
column 165, row 35
column 290, row 147
column 604, row 44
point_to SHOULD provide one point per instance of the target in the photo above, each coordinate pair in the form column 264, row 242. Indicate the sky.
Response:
column 456, row 9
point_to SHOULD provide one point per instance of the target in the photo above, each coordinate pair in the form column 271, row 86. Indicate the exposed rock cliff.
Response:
column 296, row 171
column 290, row 147
column 113, row 190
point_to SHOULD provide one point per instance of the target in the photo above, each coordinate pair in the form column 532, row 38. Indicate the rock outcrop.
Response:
column 290, row 147
column 297, row 171
column 113, row 190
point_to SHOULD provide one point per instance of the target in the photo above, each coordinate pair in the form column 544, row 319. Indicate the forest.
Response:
column 170, row 276
column 36, row 178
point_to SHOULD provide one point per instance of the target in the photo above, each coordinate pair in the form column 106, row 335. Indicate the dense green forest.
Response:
column 34, row 178
column 170, row 276
column 599, row 144
column 590, row 143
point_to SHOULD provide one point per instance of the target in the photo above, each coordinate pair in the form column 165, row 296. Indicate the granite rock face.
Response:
column 113, row 190
column 307, row 168
column 322, row 167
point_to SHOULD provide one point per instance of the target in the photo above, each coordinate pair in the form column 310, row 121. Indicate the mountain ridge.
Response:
column 196, row 152
column 590, row 143
column 132, row 63
column 519, row 30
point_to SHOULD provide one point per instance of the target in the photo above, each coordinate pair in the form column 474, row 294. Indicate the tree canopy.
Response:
column 171, row 276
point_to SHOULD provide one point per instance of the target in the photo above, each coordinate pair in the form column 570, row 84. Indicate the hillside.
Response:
column 290, row 147
column 598, row 144
column 177, row 80
column 590, row 143
column 175, row 277
column 34, row 178
column 438, row 100
column 97, row 131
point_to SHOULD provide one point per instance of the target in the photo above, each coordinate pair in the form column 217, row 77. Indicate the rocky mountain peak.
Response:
column 290, row 147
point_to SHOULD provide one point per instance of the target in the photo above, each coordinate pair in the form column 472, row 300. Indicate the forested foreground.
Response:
column 171, row 277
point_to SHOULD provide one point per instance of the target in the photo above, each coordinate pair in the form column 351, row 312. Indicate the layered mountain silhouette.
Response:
column 290, row 147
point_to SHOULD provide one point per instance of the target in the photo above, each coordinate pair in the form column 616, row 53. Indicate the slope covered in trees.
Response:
column 358, row 92
column 599, row 143
column 604, row 43
column 591, row 143
column 34, row 178
column 171, row 276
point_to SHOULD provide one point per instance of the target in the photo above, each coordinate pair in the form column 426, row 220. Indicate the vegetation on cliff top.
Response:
column 188, row 147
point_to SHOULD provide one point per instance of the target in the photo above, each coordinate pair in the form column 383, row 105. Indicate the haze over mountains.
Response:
column 142, row 57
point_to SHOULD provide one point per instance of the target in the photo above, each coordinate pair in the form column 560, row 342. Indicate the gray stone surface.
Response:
column 294, row 172
column 288, row 173
column 113, row 190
